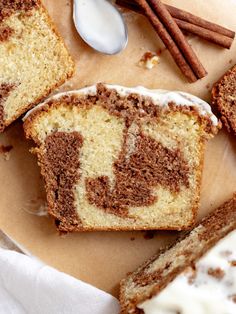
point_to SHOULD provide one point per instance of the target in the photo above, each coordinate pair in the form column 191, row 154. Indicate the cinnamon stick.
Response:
column 216, row 38
column 220, row 36
column 160, row 9
column 193, row 19
column 168, row 41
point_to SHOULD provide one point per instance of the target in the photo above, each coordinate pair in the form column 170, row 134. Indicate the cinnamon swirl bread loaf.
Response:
column 116, row 158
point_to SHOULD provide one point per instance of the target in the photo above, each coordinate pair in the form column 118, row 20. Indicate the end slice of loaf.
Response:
column 224, row 99
column 155, row 275
column 116, row 158
column 33, row 58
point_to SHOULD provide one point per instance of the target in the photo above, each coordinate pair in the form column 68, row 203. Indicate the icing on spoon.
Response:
column 100, row 25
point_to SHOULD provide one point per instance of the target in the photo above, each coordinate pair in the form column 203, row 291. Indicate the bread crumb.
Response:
column 7, row 156
column 218, row 273
column 226, row 253
column 149, row 235
column 192, row 274
column 160, row 51
column 5, row 150
column 149, row 60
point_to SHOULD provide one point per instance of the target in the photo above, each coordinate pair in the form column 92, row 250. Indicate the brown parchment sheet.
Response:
column 102, row 259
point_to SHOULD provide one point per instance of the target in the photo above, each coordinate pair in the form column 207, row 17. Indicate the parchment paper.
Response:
column 102, row 259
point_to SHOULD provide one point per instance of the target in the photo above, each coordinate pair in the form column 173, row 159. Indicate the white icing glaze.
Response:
column 160, row 97
column 206, row 294
column 100, row 25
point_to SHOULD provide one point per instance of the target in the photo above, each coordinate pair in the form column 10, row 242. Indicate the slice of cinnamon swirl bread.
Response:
column 116, row 158
column 33, row 57
column 196, row 275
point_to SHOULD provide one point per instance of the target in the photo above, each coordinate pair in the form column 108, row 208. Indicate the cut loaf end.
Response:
column 224, row 99
column 34, row 59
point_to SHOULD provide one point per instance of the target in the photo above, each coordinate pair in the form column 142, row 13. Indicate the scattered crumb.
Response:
column 149, row 60
column 132, row 238
column 233, row 263
column 218, row 273
column 230, row 61
column 160, row 51
column 5, row 150
column 150, row 234
column 208, row 86
column 226, row 253
column 192, row 274
column 7, row 156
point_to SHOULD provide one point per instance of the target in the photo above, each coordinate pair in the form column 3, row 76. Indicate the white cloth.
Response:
column 28, row 286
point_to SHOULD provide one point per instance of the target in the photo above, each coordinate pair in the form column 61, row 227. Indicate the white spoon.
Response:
column 100, row 25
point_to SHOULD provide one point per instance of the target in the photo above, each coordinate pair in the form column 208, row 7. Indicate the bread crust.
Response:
column 218, row 91
column 210, row 229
